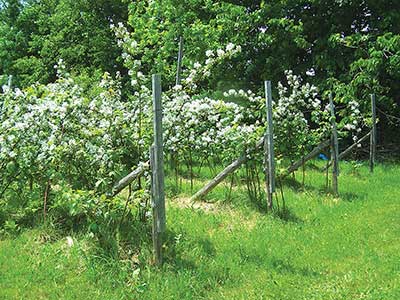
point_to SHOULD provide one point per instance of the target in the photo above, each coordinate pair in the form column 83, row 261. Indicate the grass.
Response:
column 321, row 248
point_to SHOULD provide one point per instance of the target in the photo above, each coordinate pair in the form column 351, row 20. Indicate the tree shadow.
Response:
column 134, row 239
column 278, row 265
column 285, row 267
column 286, row 214
column 174, row 250
column 296, row 186
column 351, row 197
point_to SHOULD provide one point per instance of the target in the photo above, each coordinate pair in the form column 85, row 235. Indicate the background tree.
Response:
column 350, row 47
column 345, row 46
column 36, row 34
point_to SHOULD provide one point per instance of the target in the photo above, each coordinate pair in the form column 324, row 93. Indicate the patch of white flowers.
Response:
column 202, row 71
column 208, row 127
column 55, row 131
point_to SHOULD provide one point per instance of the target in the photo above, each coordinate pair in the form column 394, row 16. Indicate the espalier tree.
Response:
column 55, row 133
column 347, row 47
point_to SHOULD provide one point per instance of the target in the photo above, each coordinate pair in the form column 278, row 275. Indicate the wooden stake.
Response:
column 269, row 164
column 179, row 66
column 334, row 150
column 348, row 150
column 174, row 161
column 124, row 182
column 223, row 174
column 157, row 167
column 10, row 78
column 317, row 149
column 45, row 199
column 242, row 159
column 372, row 151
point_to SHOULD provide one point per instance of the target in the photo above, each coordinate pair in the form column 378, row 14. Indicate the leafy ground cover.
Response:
column 320, row 248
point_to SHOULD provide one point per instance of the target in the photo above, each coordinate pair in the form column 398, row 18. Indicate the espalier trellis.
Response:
column 53, row 135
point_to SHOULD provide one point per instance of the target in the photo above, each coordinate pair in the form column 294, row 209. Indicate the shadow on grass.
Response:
column 174, row 250
column 296, row 186
column 285, row 267
column 278, row 265
column 314, row 167
column 286, row 215
column 351, row 197
column 134, row 244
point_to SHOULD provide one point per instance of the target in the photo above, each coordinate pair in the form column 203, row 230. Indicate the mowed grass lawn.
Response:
column 327, row 248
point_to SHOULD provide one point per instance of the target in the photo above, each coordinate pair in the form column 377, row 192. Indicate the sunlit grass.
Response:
column 321, row 248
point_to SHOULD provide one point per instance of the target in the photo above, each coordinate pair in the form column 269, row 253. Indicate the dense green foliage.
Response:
column 34, row 35
column 347, row 46
column 343, row 42
column 77, row 117
column 326, row 249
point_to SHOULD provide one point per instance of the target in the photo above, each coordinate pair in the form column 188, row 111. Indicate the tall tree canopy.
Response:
column 350, row 47
column 35, row 34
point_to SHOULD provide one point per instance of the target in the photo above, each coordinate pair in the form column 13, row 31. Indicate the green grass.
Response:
column 322, row 248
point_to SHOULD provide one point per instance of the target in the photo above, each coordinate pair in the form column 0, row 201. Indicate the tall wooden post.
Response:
column 157, row 167
column 269, row 164
column 10, row 81
column 179, row 65
column 372, row 149
column 334, row 149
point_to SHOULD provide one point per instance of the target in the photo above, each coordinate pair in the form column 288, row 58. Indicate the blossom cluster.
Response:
column 201, row 71
column 208, row 127
column 55, row 131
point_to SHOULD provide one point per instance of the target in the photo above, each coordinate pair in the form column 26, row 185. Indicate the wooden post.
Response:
column 127, row 180
column 242, row 159
column 157, row 167
column 179, row 66
column 334, row 149
column 351, row 147
column 223, row 174
column 269, row 165
column 317, row 149
column 372, row 149
column 173, row 155
column 10, row 81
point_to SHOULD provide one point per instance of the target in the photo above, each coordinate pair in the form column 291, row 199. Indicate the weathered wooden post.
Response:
column 179, row 65
column 269, row 164
column 173, row 160
column 224, row 173
column 10, row 81
column 334, row 149
column 372, row 148
column 157, row 167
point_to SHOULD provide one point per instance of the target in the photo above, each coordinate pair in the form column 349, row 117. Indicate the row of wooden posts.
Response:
column 267, row 142
column 157, row 164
